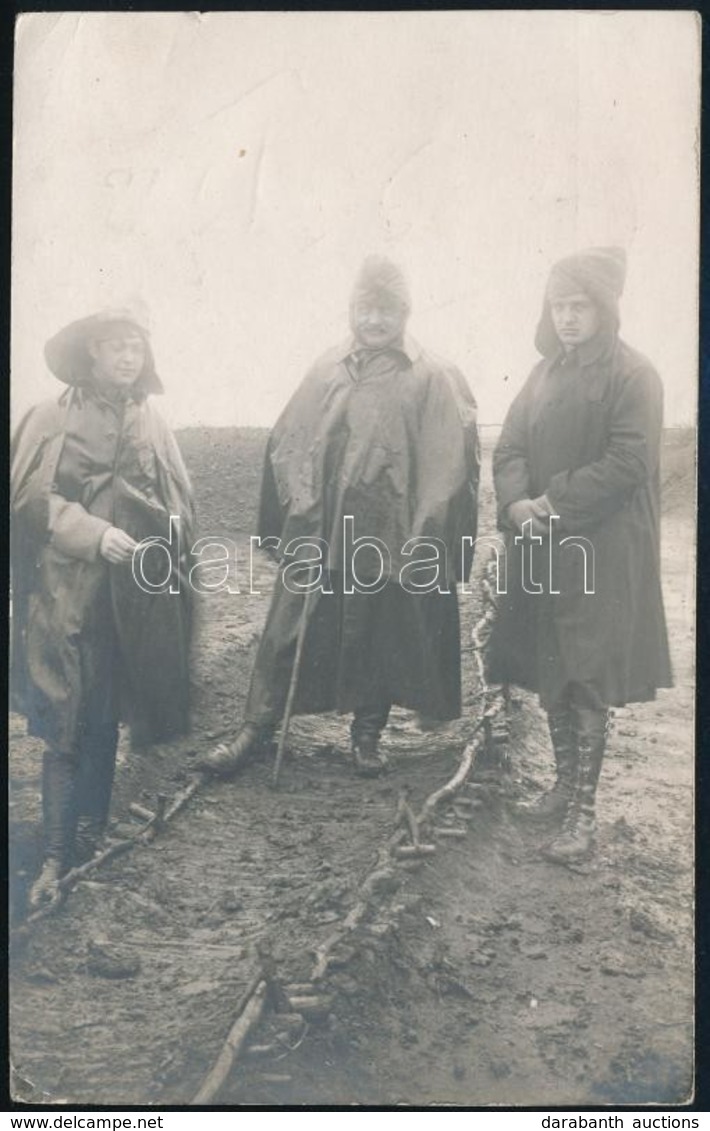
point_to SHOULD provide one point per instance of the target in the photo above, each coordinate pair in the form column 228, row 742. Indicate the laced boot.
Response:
column 58, row 774
column 576, row 840
column 226, row 761
column 554, row 802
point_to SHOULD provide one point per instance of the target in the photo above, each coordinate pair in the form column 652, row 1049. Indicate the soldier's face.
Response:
column 575, row 318
column 118, row 358
column 377, row 321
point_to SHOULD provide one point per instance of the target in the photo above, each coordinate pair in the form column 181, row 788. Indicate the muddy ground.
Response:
column 483, row 976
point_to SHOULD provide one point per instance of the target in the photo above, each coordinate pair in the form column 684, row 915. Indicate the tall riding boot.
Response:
column 576, row 840
column 365, row 730
column 58, row 803
column 97, row 729
column 93, row 789
column 554, row 802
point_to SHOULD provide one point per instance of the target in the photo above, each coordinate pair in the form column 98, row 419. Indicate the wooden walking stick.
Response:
column 292, row 689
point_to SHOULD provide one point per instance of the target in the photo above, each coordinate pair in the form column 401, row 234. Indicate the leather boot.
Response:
column 58, row 782
column 46, row 887
column 554, row 802
column 226, row 761
column 365, row 730
column 576, row 841
column 94, row 784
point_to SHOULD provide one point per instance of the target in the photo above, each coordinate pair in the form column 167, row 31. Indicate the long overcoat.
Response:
column 585, row 430
column 391, row 443
column 58, row 577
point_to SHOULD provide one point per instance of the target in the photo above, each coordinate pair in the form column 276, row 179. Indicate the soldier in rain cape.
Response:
column 93, row 474
column 380, row 435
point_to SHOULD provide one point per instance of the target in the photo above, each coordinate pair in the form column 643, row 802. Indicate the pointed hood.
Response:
column 380, row 276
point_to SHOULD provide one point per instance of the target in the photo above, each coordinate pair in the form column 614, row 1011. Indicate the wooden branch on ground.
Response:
column 163, row 815
column 454, row 784
column 405, row 818
column 381, row 874
column 95, row 862
column 413, row 851
column 140, row 811
column 69, row 880
column 246, row 1020
column 157, row 820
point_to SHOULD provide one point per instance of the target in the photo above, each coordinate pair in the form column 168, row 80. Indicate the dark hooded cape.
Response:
column 394, row 446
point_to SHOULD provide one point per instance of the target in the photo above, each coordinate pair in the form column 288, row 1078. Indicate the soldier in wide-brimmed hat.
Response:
column 93, row 474
column 582, row 624
column 382, row 435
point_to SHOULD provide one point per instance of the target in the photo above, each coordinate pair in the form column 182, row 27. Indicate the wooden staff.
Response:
column 303, row 623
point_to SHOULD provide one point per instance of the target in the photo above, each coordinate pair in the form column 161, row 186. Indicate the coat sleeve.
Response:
column 511, row 474
column 43, row 513
column 34, row 453
column 73, row 530
column 587, row 495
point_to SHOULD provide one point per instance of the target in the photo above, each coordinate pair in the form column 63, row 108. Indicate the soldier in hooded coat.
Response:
column 577, row 480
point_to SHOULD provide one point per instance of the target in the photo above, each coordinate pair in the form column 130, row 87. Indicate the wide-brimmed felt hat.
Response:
column 67, row 353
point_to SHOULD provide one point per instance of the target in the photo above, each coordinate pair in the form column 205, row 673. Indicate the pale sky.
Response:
column 234, row 169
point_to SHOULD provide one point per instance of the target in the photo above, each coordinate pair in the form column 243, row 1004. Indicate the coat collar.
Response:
column 409, row 347
column 79, row 394
column 587, row 364
column 589, row 353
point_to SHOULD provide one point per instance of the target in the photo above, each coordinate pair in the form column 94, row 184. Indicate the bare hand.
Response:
column 117, row 546
column 532, row 512
column 544, row 506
